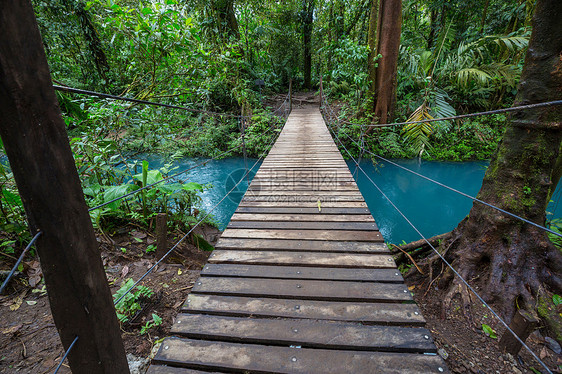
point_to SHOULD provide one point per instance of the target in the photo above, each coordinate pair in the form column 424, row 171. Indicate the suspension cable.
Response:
column 197, row 224
column 461, row 193
column 171, row 176
column 19, row 261
column 65, row 354
column 164, row 179
column 363, row 149
column 445, row 261
column 478, row 114
column 138, row 101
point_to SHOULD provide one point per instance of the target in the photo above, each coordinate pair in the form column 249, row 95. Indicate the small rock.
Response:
column 137, row 365
column 443, row 353
column 553, row 345
column 515, row 370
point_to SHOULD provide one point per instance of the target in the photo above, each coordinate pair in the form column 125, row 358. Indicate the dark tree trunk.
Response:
column 389, row 25
column 372, row 43
column 226, row 18
column 36, row 142
column 484, row 15
column 432, row 29
column 511, row 261
column 308, row 12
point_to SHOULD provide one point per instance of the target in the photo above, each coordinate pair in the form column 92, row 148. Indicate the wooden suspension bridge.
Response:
column 301, row 280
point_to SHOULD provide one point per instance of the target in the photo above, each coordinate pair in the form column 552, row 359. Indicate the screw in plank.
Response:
column 416, row 313
column 396, row 274
column 298, row 272
column 299, row 286
column 294, row 359
column 198, row 283
column 295, row 330
column 188, row 300
column 405, row 291
column 297, row 306
column 389, row 259
column 179, row 321
column 166, row 347
column 206, row 268
column 440, row 369
column 426, row 337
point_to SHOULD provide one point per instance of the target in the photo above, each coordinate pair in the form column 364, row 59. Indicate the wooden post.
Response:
column 36, row 142
column 523, row 324
column 161, row 235
column 321, row 91
column 290, row 94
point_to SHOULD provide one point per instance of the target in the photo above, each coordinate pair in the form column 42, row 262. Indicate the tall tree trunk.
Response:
column 513, row 262
column 227, row 23
column 432, row 29
column 372, row 43
column 389, row 25
column 484, row 15
column 308, row 12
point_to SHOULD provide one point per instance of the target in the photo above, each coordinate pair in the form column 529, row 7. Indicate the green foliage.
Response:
column 556, row 299
column 489, row 331
column 131, row 303
column 154, row 322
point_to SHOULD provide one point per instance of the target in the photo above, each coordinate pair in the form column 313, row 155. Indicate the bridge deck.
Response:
column 300, row 281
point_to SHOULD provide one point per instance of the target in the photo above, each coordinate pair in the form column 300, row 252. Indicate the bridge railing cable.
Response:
column 138, row 101
column 20, row 259
column 65, row 355
column 364, row 149
column 197, row 224
column 464, row 281
column 461, row 116
column 175, row 175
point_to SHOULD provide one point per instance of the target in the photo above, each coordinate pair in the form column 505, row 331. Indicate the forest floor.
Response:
column 465, row 346
column 29, row 341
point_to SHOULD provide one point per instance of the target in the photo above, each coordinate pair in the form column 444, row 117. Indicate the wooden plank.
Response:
column 305, row 333
column 360, row 236
column 268, row 359
column 302, row 210
column 301, row 272
column 343, row 260
column 163, row 369
column 301, row 217
column 303, row 289
column 301, row 245
column 282, row 198
column 325, row 204
column 290, row 225
column 328, row 193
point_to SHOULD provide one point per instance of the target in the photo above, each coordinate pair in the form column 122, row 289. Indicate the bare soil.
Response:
column 29, row 341
column 465, row 345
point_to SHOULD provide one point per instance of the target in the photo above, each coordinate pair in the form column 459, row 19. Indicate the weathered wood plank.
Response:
column 311, row 204
column 268, row 359
column 329, row 193
column 305, row 333
column 302, row 210
column 296, row 225
column 343, row 260
column 367, row 313
column 282, row 198
column 301, row 245
column 360, row 236
column 302, row 217
column 303, row 289
column 162, row 369
column 301, row 272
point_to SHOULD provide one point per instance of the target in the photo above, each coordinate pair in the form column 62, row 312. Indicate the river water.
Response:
column 431, row 208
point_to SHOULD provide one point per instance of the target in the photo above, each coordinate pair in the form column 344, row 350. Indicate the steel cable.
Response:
column 445, row 261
